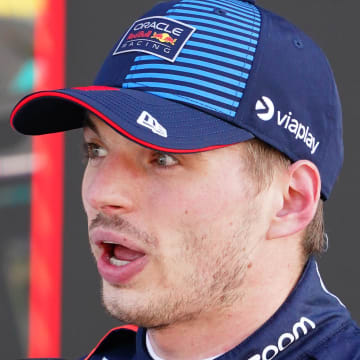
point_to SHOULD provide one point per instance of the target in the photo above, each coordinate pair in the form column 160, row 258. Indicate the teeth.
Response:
column 117, row 262
column 108, row 242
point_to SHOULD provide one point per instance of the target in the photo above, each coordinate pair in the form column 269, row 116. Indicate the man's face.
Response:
column 172, row 234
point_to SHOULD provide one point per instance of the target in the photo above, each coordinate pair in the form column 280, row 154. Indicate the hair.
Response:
column 262, row 162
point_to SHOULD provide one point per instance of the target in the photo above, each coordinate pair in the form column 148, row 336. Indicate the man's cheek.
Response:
column 192, row 204
column 206, row 208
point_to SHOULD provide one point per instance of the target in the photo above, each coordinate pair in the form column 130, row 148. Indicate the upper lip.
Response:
column 99, row 236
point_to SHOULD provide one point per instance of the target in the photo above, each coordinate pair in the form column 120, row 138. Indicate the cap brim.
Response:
column 187, row 129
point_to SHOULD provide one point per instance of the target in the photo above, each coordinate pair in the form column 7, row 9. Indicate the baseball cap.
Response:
column 196, row 75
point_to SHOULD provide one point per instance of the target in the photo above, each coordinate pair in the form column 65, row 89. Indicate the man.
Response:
column 209, row 153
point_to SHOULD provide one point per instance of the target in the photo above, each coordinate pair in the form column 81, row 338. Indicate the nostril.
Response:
column 111, row 209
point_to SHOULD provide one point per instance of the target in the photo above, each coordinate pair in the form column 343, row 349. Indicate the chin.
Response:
column 127, row 305
column 142, row 308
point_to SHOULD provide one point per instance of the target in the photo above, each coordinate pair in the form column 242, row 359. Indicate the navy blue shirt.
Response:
column 311, row 324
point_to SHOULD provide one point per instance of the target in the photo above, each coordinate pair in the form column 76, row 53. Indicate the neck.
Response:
column 266, row 285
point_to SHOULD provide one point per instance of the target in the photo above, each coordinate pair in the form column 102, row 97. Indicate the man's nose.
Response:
column 111, row 187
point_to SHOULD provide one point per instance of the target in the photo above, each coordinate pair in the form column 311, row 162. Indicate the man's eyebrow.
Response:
column 88, row 123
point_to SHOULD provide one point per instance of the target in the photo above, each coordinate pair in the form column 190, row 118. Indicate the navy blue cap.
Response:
column 195, row 75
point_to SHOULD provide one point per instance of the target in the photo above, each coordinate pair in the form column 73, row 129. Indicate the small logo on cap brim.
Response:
column 148, row 121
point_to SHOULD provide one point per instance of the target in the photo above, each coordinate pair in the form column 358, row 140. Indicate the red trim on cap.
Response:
column 107, row 120
column 126, row 327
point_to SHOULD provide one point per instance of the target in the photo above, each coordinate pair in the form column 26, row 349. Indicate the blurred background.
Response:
column 50, row 306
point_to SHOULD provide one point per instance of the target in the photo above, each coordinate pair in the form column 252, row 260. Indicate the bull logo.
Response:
column 164, row 38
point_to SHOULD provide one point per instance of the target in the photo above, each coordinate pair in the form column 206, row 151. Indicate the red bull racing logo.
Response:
column 157, row 35
column 164, row 38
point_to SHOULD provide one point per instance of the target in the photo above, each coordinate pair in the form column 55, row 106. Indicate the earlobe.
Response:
column 300, row 194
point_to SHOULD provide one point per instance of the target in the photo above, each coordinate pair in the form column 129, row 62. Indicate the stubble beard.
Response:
column 215, row 285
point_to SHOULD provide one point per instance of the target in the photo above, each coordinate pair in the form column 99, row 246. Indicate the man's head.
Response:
column 214, row 128
column 177, row 236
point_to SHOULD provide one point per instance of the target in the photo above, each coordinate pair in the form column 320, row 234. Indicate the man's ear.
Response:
column 300, row 192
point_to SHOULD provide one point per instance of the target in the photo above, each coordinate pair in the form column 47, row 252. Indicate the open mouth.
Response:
column 119, row 255
column 119, row 258
column 117, row 263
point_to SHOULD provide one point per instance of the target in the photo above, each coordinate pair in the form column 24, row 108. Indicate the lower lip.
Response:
column 118, row 275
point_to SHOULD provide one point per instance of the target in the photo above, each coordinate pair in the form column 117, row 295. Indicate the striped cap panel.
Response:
column 212, row 70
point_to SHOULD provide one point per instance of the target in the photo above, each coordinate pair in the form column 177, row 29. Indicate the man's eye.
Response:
column 165, row 160
column 94, row 151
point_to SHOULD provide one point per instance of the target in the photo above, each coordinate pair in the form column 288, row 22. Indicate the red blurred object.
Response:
column 47, row 192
